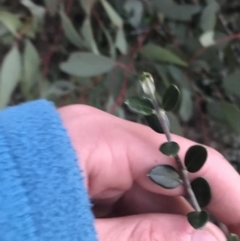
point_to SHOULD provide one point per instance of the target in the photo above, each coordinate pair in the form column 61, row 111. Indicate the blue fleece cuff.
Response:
column 42, row 195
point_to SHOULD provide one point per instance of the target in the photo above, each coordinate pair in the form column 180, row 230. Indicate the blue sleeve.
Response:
column 42, row 195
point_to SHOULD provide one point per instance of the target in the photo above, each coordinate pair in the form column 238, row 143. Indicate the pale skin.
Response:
column 116, row 155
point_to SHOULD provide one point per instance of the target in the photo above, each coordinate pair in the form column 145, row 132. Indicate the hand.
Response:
column 115, row 156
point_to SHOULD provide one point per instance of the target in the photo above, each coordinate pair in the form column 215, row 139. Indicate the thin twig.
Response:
column 184, row 173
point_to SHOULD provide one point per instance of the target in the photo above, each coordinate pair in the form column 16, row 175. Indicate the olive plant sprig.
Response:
column 148, row 86
column 199, row 191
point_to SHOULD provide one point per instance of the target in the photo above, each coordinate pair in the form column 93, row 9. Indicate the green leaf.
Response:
column 121, row 42
column 179, row 76
column 87, row 5
column 175, row 126
column 170, row 148
column 139, row 106
column 134, row 8
column 225, row 113
column 83, row 64
column 198, row 219
column 11, row 21
column 87, row 33
column 158, row 53
column 152, row 120
column 10, row 75
column 165, row 176
column 231, row 83
column 202, row 191
column 36, row 10
column 70, row 32
column 163, row 73
column 233, row 237
column 195, row 158
column 52, row 6
column 186, row 107
column 112, row 14
column 175, row 11
column 31, row 65
column 208, row 17
column 58, row 89
column 171, row 98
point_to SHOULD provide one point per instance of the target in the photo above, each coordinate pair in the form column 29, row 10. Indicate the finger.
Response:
column 149, row 227
column 222, row 177
column 140, row 201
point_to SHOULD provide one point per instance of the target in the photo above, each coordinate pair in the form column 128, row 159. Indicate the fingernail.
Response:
column 203, row 236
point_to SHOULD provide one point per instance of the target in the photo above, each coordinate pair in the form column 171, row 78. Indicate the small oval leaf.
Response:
column 139, row 106
column 165, row 176
column 202, row 191
column 198, row 219
column 171, row 98
column 195, row 158
column 169, row 148
column 233, row 237
column 153, row 122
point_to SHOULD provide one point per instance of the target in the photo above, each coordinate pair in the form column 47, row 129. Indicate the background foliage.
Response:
column 93, row 51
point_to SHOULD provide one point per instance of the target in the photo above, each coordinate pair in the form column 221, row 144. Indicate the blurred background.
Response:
column 93, row 52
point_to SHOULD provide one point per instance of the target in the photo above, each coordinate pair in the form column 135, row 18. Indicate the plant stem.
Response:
column 184, row 173
column 187, row 184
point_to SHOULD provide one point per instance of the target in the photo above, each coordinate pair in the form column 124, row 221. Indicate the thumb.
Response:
column 154, row 227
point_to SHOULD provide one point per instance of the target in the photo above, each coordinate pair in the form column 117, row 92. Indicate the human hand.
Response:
column 115, row 156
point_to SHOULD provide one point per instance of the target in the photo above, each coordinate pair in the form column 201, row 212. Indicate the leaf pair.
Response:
column 143, row 106
column 195, row 157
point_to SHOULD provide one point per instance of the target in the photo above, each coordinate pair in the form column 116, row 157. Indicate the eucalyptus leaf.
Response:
column 135, row 9
column 208, row 17
column 225, row 113
column 165, row 176
column 36, row 10
column 121, row 42
column 186, row 107
column 11, row 21
column 231, row 83
column 171, row 10
column 31, row 65
column 10, row 75
column 179, row 76
column 171, row 98
column 87, row 5
column 70, row 32
column 202, row 191
column 195, row 158
column 139, row 106
column 158, row 53
column 87, row 33
column 175, row 126
column 198, row 219
column 112, row 14
column 84, row 64
column 233, row 237
column 170, row 148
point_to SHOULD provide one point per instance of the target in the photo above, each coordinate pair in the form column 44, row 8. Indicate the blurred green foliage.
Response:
column 93, row 52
